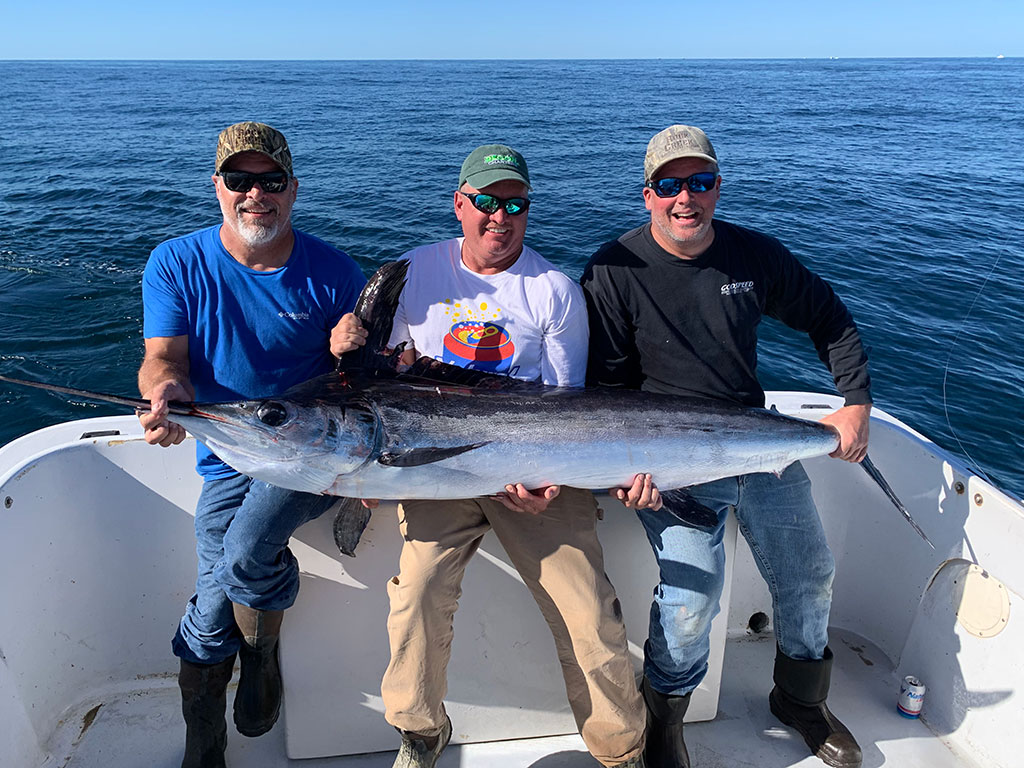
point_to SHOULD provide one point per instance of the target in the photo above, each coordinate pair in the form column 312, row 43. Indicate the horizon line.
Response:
column 534, row 58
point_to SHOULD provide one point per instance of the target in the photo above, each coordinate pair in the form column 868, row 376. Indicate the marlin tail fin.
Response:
column 875, row 475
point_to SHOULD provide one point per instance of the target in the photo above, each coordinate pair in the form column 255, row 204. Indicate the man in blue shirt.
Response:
column 238, row 311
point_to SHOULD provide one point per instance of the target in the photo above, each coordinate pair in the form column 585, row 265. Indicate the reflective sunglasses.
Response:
column 670, row 187
column 271, row 182
column 489, row 203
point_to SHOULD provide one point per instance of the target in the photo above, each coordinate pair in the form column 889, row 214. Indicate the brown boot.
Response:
column 665, row 746
column 258, row 699
column 203, row 703
column 798, row 700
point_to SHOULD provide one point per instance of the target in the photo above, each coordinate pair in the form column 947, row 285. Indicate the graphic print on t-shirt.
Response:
column 473, row 341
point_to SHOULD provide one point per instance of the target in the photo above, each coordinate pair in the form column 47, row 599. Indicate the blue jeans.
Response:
column 242, row 532
column 778, row 519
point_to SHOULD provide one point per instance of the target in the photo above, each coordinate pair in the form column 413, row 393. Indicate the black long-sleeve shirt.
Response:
column 689, row 326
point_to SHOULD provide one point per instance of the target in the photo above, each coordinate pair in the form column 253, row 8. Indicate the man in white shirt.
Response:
column 488, row 302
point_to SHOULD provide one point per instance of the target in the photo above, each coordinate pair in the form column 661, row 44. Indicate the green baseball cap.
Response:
column 492, row 163
column 253, row 137
column 675, row 142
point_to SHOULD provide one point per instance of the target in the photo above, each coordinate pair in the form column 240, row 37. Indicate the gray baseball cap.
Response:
column 492, row 163
column 675, row 142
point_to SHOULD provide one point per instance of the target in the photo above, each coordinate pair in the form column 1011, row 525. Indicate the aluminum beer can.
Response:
column 911, row 697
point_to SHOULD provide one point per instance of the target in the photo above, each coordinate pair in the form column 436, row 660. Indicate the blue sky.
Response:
column 317, row 29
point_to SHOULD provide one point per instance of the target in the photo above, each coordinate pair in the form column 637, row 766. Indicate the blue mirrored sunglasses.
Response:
column 672, row 186
column 489, row 203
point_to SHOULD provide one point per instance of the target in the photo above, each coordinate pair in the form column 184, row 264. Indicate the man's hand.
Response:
column 347, row 335
column 160, row 431
column 642, row 494
column 519, row 499
column 852, row 423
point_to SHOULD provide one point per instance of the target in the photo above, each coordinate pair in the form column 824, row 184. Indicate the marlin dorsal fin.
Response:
column 376, row 311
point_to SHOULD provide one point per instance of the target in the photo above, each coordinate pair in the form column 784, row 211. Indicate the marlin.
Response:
column 372, row 429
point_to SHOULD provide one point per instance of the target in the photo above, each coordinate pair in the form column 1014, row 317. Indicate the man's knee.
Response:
column 812, row 581
column 684, row 623
column 428, row 589
column 256, row 575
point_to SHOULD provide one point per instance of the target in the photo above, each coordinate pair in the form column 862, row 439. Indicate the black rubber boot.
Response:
column 203, row 704
column 665, row 746
column 258, row 699
column 798, row 700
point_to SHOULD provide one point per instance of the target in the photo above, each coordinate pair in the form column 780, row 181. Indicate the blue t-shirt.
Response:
column 250, row 334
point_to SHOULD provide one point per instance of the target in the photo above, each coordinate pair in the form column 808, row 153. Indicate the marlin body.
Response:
column 419, row 437
column 437, row 431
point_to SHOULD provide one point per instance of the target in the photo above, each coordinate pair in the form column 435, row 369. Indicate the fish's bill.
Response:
column 103, row 397
column 137, row 403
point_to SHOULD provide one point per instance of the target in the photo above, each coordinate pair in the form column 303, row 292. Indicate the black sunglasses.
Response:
column 489, row 203
column 670, row 187
column 271, row 182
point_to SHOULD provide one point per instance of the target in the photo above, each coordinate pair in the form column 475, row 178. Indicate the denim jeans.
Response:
column 778, row 519
column 242, row 532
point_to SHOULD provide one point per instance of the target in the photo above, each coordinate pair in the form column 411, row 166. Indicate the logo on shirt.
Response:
column 732, row 289
column 480, row 346
column 474, row 340
column 294, row 315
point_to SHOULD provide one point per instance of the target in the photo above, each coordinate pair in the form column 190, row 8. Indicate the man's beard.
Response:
column 254, row 234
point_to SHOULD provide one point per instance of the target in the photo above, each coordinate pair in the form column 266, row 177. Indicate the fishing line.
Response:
column 945, row 371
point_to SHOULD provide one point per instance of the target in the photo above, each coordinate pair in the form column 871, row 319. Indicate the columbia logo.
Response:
column 294, row 315
column 733, row 288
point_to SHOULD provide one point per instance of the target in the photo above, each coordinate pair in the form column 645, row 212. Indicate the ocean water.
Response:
column 898, row 180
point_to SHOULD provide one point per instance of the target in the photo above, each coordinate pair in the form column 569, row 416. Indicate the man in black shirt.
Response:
column 674, row 308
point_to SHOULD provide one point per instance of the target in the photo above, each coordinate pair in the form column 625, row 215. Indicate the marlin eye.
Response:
column 272, row 414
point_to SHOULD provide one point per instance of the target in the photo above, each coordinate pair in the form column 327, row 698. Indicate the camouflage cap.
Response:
column 253, row 137
column 675, row 142
column 492, row 163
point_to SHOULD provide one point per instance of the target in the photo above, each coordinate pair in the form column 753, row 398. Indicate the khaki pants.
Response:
column 559, row 557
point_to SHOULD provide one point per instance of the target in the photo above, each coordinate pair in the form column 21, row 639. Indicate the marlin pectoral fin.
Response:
column 688, row 510
column 349, row 523
column 416, row 457
column 875, row 475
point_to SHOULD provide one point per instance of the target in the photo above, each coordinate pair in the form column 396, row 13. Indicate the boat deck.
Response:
column 142, row 727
